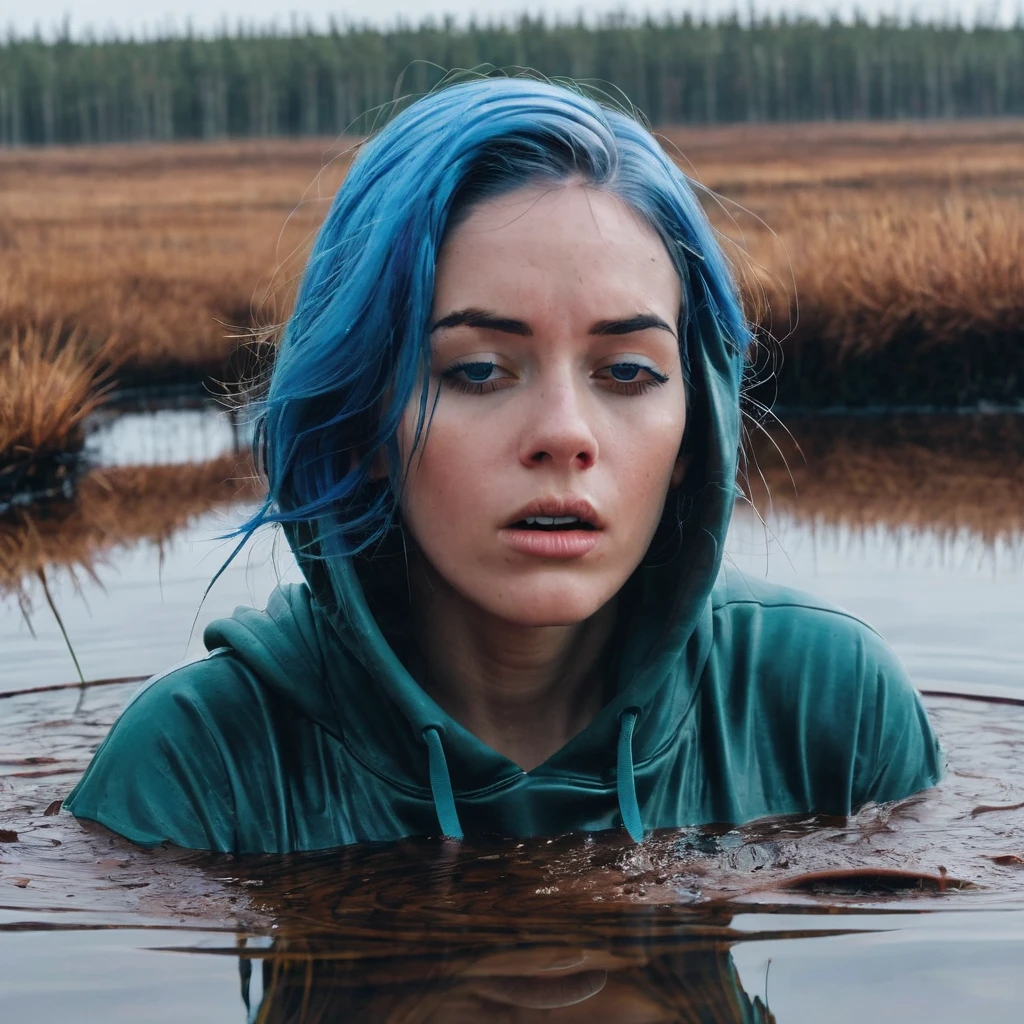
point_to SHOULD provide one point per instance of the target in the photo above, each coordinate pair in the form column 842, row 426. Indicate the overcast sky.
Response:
column 122, row 16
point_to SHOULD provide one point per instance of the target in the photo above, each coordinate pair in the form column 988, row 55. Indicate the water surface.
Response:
column 911, row 910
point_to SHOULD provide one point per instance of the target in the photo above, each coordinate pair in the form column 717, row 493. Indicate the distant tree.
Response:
column 674, row 69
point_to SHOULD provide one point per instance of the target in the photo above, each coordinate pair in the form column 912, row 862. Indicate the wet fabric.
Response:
column 728, row 698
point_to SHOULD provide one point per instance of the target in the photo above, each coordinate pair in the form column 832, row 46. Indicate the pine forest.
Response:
column 675, row 70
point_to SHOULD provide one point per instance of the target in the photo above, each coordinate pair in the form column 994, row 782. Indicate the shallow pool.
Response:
column 913, row 910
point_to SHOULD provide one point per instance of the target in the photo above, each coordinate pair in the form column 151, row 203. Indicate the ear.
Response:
column 679, row 469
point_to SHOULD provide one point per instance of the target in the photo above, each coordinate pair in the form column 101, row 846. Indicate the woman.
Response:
column 502, row 436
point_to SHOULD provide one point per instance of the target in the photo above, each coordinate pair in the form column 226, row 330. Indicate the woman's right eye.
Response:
column 477, row 377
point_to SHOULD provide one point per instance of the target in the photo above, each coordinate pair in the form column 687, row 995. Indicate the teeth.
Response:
column 551, row 520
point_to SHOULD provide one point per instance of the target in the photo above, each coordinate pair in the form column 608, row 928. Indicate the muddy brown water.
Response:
column 914, row 909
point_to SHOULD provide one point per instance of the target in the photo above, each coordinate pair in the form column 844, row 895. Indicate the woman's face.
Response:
column 560, row 405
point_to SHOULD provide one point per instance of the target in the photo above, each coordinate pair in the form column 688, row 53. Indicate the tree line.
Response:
column 674, row 69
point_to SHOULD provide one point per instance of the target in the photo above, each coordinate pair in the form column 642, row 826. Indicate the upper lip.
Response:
column 567, row 506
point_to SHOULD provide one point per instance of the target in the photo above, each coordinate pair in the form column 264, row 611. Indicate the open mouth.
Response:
column 551, row 524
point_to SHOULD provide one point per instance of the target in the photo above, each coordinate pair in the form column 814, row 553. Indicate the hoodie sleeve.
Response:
column 159, row 774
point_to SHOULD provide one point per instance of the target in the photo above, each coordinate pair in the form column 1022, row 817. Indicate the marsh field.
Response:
column 882, row 263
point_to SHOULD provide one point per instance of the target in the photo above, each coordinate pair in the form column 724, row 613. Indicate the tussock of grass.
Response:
column 50, row 385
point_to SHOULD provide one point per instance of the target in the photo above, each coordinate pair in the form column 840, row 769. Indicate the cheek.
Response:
column 444, row 477
column 645, row 452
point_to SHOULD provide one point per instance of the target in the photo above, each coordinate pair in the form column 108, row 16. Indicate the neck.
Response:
column 525, row 691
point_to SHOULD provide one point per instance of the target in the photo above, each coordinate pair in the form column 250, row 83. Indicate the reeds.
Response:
column 178, row 251
column 876, row 270
column 51, row 383
column 884, row 257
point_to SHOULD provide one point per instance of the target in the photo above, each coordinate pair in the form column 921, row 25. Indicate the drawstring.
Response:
column 441, row 784
column 628, row 806
column 444, row 798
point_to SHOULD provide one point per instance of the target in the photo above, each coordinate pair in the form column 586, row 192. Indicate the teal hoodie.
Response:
column 729, row 698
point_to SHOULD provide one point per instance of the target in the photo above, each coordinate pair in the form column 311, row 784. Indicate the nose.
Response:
column 558, row 432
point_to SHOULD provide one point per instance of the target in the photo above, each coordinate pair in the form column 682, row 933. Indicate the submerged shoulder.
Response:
column 160, row 774
column 779, row 621
column 830, row 686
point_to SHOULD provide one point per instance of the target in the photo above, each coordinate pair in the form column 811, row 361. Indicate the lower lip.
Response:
column 553, row 543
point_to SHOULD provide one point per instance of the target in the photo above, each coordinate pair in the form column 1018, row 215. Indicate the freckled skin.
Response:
column 555, row 424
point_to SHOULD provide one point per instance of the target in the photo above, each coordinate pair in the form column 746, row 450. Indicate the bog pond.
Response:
column 915, row 523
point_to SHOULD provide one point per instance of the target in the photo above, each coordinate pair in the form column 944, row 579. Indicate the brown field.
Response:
column 872, row 231
column 174, row 249
column 885, row 241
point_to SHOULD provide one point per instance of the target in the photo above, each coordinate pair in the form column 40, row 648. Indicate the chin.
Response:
column 540, row 603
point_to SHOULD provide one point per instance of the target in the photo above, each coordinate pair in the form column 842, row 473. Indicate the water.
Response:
column 695, row 925
column 936, row 564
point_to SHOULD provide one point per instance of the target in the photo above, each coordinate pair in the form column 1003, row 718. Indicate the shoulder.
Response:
column 738, row 593
column 830, row 688
column 200, row 696
column 160, row 774
column 783, row 629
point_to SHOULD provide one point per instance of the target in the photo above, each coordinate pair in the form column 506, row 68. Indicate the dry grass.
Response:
column 114, row 509
column 864, row 238
column 884, row 240
column 51, row 384
column 170, row 248
column 944, row 268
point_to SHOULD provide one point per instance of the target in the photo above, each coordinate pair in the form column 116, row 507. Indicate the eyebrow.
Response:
column 487, row 320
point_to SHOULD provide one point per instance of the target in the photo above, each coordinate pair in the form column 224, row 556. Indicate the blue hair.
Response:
column 357, row 344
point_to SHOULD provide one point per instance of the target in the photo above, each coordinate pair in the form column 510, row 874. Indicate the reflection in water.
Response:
column 490, row 929
column 942, row 474
column 113, row 509
column 948, row 475
column 639, row 976
column 192, row 432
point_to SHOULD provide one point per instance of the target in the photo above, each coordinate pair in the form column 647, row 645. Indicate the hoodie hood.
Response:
column 324, row 650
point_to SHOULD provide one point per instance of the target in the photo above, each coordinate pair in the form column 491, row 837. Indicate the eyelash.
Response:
column 622, row 387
